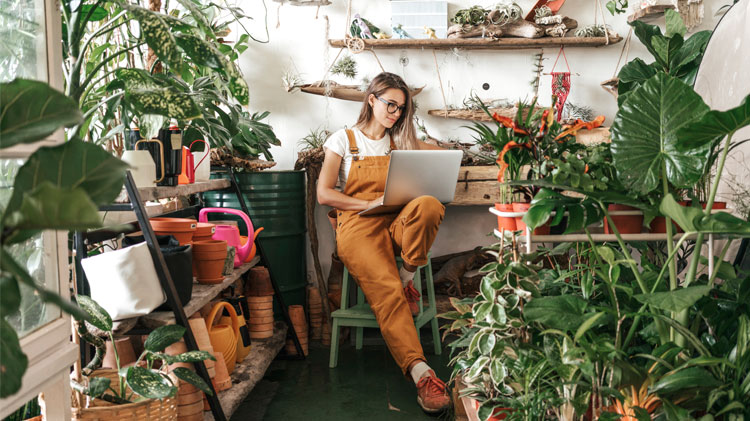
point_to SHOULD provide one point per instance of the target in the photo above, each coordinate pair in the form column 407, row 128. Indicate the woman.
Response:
column 367, row 244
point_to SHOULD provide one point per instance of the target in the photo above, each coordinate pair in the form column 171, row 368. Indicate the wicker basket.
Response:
column 99, row 410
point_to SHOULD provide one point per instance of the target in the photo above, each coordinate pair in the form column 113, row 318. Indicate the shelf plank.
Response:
column 650, row 13
column 476, row 115
column 249, row 372
column 202, row 295
column 483, row 43
column 345, row 92
column 597, row 238
column 155, row 193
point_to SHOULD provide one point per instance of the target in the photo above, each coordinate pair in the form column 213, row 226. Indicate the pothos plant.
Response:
column 143, row 379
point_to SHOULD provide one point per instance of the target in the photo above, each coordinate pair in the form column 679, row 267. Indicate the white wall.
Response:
column 300, row 42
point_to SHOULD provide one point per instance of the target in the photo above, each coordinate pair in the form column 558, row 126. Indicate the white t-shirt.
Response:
column 338, row 142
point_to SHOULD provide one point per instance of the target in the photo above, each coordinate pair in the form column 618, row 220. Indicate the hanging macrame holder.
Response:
column 560, row 84
column 610, row 85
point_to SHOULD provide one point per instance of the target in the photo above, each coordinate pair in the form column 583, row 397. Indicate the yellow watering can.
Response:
column 243, row 340
column 224, row 336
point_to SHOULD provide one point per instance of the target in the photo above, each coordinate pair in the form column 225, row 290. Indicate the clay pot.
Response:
column 204, row 231
column 208, row 260
column 124, row 351
column 626, row 224
column 520, row 225
column 198, row 326
column 259, row 282
column 181, row 228
column 297, row 316
column 260, row 317
column 222, row 380
column 659, row 224
column 506, row 223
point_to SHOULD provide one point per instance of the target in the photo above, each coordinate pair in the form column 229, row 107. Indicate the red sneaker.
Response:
column 432, row 394
column 412, row 298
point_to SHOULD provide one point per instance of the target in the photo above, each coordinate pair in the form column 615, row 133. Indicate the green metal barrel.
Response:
column 276, row 202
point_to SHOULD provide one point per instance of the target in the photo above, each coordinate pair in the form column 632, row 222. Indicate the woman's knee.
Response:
column 430, row 208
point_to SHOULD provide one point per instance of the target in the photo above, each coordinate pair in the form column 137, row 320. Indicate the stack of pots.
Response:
column 204, row 231
column 189, row 397
column 315, row 307
column 208, row 260
column 259, row 293
column 198, row 326
column 297, row 316
column 181, row 228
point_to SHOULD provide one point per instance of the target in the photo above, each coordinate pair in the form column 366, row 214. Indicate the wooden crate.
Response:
column 477, row 185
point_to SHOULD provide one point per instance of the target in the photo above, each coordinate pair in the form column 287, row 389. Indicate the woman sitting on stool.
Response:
column 367, row 244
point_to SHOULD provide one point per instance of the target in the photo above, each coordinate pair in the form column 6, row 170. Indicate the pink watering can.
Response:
column 230, row 233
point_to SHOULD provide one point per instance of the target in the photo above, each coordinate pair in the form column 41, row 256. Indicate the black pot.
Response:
column 179, row 261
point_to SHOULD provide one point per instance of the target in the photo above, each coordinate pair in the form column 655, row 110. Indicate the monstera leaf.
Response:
column 32, row 110
column 644, row 135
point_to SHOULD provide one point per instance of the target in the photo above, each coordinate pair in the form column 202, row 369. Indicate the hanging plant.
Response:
column 591, row 31
column 346, row 66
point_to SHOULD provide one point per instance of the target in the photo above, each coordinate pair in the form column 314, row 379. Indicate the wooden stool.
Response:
column 360, row 315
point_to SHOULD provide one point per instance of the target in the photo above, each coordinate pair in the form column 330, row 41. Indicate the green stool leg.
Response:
column 334, row 357
column 431, row 297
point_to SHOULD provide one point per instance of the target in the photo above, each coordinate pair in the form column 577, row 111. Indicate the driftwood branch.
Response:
column 519, row 28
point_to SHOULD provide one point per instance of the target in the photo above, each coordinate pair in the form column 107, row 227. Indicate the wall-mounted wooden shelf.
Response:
column 475, row 115
column 345, row 92
column 483, row 43
column 650, row 13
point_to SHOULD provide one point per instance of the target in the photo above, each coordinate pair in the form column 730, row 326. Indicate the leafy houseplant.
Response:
column 686, row 334
column 145, row 382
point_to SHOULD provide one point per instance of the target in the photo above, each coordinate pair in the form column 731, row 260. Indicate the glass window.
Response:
column 39, row 256
column 23, row 50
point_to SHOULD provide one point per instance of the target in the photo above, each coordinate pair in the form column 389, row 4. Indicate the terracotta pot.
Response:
column 208, row 261
column 204, row 231
column 181, row 228
column 471, row 405
column 209, row 246
column 198, row 326
column 626, row 224
column 716, row 205
column 223, row 381
column 297, row 316
column 520, row 225
column 659, row 224
column 125, row 352
column 506, row 223
column 260, row 303
column 259, row 282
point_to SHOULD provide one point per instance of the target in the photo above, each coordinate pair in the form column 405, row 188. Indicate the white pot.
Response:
column 143, row 167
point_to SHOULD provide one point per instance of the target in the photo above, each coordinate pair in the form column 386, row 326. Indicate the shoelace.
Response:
column 411, row 293
column 434, row 385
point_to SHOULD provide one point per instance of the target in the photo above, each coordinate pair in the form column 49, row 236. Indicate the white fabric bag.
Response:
column 124, row 282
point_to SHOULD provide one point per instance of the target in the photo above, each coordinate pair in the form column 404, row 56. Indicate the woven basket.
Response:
column 99, row 410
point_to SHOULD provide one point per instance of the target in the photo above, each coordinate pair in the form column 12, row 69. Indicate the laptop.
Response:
column 414, row 173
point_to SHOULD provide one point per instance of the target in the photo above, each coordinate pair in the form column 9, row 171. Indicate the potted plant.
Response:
column 147, row 387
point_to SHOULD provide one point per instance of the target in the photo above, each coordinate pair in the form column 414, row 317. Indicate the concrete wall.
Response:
column 300, row 43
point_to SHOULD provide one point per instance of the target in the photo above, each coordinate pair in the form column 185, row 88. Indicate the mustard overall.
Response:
column 367, row 246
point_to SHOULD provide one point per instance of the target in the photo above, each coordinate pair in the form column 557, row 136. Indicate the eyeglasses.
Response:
column 391, row 106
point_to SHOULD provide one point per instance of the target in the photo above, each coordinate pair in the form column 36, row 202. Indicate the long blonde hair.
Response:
column 402, row 132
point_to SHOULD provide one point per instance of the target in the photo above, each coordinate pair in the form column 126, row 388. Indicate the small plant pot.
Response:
column 181, row 228
column 204, row 231
column 209, row 246
column 520, row 225
column 625, row 224
column 505, row 223
column 124, row 351
column 716, row 205
column 659, row 224
column 259, row 283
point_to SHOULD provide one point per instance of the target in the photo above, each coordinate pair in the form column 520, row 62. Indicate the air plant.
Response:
column 504, row 13
column 590, row 31
column 314, row 139
column 579, row 112
column 346, row 66
column 472, row 16
column 542, row 12
column 291, row 80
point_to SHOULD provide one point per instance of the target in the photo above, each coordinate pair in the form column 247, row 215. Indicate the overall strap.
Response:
column 352, row 145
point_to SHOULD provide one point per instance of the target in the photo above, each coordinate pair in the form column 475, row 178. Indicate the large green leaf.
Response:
column 13, row 361
column 693, row 377
column 97, row 386
column 689, row 56
column 693, row 219
column 564, row 312
column 644, row 135
column 98, row 316
column 646, row 33
column 163, row 101
column 193, row 378
column 31, row 110
column 636, row 71
column 674, row 24
column 10, row 295
column 162, row 337
column 713, row 126
column 156, row 32
column 186, row 357
column 149, row 384
column 197, row 14
column 200, row 51
column 50, row 207
column 674, row 301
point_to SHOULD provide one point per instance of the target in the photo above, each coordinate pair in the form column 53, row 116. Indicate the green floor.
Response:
column 366, row 385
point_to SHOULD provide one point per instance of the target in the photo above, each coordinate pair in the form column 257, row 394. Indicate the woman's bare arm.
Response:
column 328, row 195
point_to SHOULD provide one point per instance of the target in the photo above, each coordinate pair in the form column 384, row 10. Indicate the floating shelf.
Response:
column 475, row 115
column 345, row 92
column 598, row 238
column 650, row 13
column 202, row 295
column 249, row 372
column 483, row 43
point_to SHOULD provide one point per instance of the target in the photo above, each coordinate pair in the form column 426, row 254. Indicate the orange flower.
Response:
column 547, row 118
column 509, row 123
column 639, row 398
column 580, row 124
column 500, row 157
